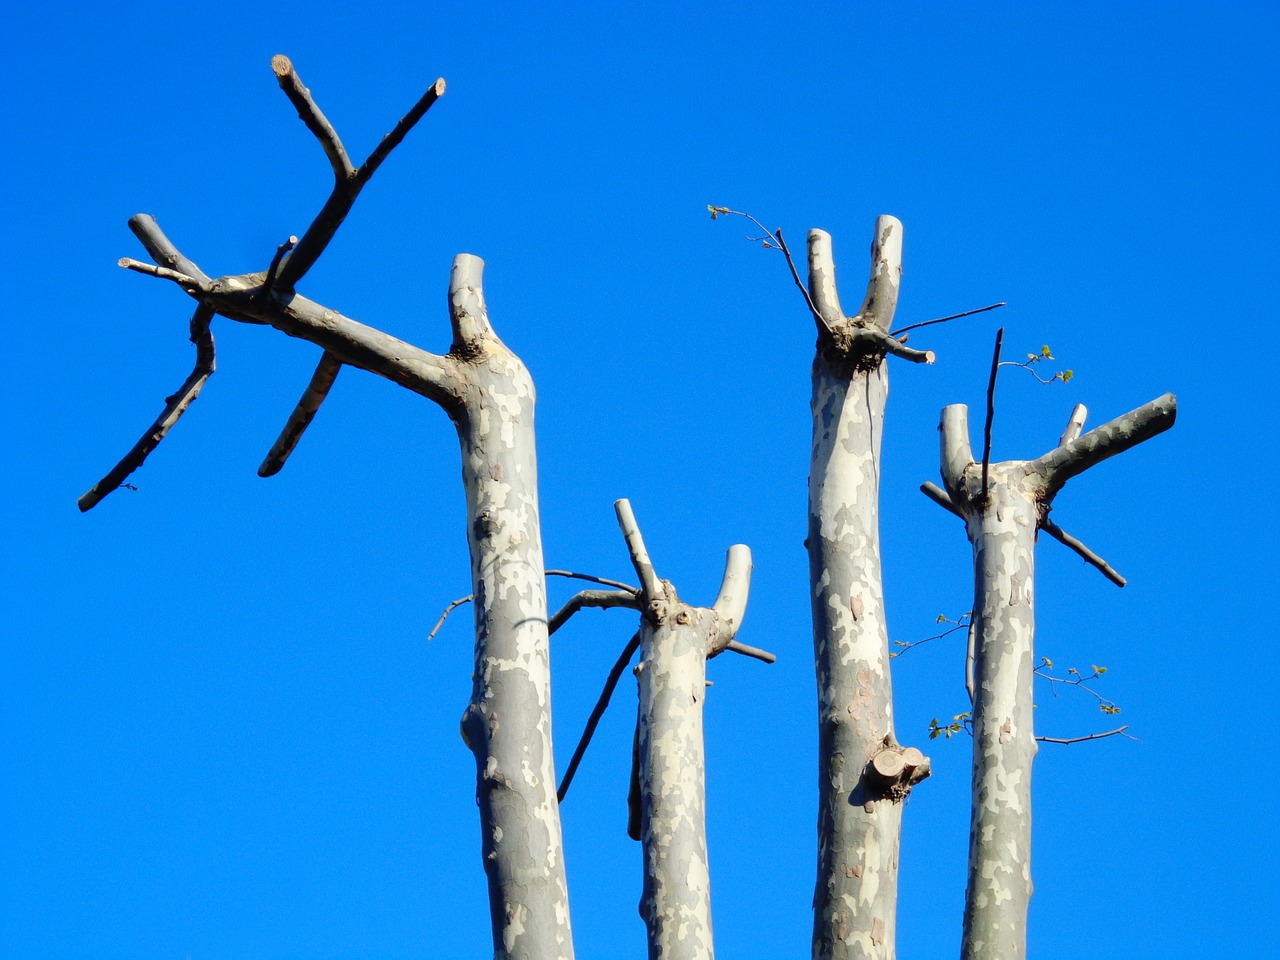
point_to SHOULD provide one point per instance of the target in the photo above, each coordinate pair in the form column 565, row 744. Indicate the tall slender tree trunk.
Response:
column 859, row 813
column 1004, row 505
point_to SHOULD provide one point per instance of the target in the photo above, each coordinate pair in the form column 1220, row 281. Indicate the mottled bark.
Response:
column 859, row 818
column 675, row 642
column 1002, row 517
column 489, row 396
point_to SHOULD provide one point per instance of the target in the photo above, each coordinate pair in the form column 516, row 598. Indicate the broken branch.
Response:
column 591, row 598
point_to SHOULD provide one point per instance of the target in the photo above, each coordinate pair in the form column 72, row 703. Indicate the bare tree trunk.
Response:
column 1003, row 505
column 508, row 722
column 489, row 395
column 675, row 642
column 860, row 812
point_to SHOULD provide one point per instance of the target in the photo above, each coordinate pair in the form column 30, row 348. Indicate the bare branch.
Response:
column 991, row 411
column 1076, row 456
column 957, row 455
column 954, row 316
column 407, row 122
column 604, row 581
column 593, row 721
column 190, row 284
column 1120, row 731
column 731, row 602
column 326, row 372
column 1074, row 425
column 454, row 605
column 274, row 269
column 822, row 282
column 892, row 345
column 161, row 250
column 795, row 275
column 649, row 583
column 311, row 115
column 1064, row 538
column 591, row 598
column 749, row 651
column 939, row 496
column 348, row 182
column 175, row 406
column 960, row 623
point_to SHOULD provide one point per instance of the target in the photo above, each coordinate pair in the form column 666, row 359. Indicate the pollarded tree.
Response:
column 487, row 392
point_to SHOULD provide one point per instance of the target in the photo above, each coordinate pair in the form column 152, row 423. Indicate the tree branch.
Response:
column 954, row 316
column 1064, row 538
column 454, row 605
column 348, row 181
column 957, row 455
column 1092, row 736
column 175, row 406
column 1076, row 456
column 593, row 721
column 303, row 414
column 939, row 496
column 604, row 581
column 991, row 411
column 591, row 598
column 735, row 586
column 161, row 250
column 1074, row 424
column 650, row 585
column 311, row 115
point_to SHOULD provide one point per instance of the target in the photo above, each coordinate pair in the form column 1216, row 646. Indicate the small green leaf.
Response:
column 1067, row 375
column 1044, row 352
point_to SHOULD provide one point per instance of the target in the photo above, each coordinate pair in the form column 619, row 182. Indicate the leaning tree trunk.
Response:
column 1003, row 505
column 488, row 394
column 863, row 773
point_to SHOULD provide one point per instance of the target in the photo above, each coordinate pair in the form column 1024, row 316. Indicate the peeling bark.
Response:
column 676, row 640
column 860, row 813
column 1003, row 511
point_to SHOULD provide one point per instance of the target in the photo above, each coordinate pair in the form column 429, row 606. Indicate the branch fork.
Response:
column 268, row 297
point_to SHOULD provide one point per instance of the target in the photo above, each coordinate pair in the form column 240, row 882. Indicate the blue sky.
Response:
column 226, row 734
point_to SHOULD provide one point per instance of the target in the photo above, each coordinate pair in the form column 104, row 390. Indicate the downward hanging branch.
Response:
column 175, row 406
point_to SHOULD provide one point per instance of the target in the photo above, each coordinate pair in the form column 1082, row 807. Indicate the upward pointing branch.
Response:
column 348, row 180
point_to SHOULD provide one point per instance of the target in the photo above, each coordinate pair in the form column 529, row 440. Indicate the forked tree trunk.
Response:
column 1003, row 505
column 489, row 395
column 676, row 640
column 860, row 810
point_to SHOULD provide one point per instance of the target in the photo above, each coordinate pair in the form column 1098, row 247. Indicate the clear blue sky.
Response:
column 225, row 733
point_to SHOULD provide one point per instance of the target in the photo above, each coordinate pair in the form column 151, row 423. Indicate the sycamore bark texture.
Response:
column 859, row 819
column 676, row 900
column 1002, row 518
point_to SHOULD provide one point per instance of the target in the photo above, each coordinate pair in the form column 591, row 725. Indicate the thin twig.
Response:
column 164, row 273
column 959, row 624
column 795, row 275
column 454, row 605
column 991, row 411
column 1092, row 736
column 604, row 581
column 305, row 411
column 602, row 703
column 392, row 139
column 175, row 406
column 954, row 316
column 776, row 240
